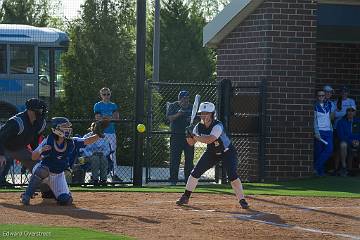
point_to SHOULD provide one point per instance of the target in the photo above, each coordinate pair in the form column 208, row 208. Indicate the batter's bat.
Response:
column 195, row 109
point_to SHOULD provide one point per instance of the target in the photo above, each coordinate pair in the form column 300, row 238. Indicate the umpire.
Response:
column 179, row 114
column 22, row 130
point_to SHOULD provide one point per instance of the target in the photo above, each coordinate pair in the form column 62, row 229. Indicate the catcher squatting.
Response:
column 55, row 152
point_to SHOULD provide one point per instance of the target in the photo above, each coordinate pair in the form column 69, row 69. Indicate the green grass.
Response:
column 313, row 187
column 16, row 231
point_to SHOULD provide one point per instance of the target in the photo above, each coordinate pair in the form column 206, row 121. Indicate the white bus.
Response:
column 30, row 65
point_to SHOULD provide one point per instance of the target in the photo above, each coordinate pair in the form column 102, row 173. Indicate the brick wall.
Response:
column 338, row 64
column 277, row 43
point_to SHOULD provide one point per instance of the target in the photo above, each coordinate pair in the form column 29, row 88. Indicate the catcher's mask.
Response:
column 37, row 106
column 61, row 126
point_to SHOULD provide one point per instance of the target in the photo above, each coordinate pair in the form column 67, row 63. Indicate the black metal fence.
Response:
column 240, row 107
column 157, row 154
column 246, row 126
column 81, row 171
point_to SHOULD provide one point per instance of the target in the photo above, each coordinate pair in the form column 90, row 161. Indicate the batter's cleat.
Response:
column 182, row 200
column 243, row 204
column 25, row 199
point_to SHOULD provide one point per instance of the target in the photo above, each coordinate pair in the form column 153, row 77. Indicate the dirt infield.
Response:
column 208, row 216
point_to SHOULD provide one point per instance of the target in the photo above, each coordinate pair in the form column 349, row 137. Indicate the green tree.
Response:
column 209, row 8
column 182, row 56
column 30, row 12
column 101, row 53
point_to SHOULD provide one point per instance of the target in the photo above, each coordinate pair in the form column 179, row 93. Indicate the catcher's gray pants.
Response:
column 99, row 164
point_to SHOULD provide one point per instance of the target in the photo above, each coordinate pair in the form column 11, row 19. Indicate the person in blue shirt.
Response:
column 105, row 109
column 219, row 148
column 323, row 146
column 55, row 152
column 348, row 131
column 97, row 152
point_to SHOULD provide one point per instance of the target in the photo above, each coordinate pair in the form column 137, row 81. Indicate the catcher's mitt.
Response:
column 98, row 127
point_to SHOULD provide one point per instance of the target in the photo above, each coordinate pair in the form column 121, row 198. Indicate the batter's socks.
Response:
column 238, row 189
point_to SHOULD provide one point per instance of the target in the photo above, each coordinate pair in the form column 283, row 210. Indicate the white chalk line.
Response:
column 288, row 226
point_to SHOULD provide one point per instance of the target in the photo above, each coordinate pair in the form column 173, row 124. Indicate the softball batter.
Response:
column 55, row 152
column 219, row 148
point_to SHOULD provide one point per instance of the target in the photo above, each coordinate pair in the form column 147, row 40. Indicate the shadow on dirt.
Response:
column 54, row 209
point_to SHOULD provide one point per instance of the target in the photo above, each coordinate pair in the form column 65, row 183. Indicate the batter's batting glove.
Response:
column 98, row 127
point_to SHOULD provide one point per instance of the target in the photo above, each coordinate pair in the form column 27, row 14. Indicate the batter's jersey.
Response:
column 221, row 144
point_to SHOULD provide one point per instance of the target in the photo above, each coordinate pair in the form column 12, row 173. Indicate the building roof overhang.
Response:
column 238, row 10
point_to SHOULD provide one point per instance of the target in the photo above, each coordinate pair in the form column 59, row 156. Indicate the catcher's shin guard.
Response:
column 65, row 199
column 34, row 183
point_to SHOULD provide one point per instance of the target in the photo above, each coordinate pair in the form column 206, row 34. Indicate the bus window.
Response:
column 59, row 84
column 2, row 58
column 44, row 73
column 22, row 59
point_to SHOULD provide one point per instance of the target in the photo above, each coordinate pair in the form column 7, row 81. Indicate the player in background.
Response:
column 219, row 148
column 55, row 152
column 323, row 133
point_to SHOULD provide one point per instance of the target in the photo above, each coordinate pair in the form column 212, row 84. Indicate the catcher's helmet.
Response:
column 61, row 126
column 206, row 107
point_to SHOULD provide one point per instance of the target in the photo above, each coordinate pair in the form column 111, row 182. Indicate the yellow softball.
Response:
column 140, row 128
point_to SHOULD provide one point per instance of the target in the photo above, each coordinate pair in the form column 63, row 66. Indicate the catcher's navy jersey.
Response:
column 58, row 157
column 221, row 144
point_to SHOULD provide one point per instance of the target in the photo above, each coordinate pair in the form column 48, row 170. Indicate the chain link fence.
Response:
column 244, row 121
column 246, row 128
column 157, row 153
column 81, row 171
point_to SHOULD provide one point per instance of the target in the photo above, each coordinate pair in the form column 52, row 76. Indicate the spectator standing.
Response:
column 329, row 91
column 105, row 109
column 179, row 114
column 323, row 131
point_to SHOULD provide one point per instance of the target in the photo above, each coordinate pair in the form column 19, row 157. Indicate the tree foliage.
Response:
column 101, row 53
column 29, row 12
column 182, row 56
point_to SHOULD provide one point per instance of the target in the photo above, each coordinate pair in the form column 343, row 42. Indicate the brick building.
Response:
column 295, row 47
